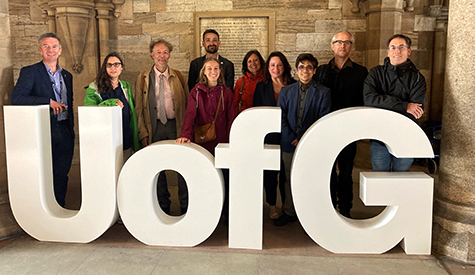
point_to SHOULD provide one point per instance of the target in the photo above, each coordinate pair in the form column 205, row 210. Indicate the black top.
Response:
column 127, row 133
column 346, row 85
column 264, row 96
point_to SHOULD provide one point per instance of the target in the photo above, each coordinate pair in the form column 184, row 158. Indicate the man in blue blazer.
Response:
column 302, row 103
column 46, row 83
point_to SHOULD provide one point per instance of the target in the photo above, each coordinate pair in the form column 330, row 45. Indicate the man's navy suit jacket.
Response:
column 317, row 105
column 34, row 87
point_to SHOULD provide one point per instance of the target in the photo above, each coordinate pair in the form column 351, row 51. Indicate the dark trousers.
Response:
column 341, row 184
column 271, row 179
column 167, row 131
column 225, row 211
column 62, row 149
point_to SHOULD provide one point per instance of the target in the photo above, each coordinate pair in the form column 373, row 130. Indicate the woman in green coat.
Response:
column 109, row 90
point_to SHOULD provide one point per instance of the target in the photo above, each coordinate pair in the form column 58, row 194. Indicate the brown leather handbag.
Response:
column 206, row 133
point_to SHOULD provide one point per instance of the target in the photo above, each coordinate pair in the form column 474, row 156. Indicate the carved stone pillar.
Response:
column 48, row 14
column 74, row 19
column 409, row 5
column 454, row 204
column 103, row 9
column 356, row 6
column 438, row 66
column 383, row 20
column 8, row 225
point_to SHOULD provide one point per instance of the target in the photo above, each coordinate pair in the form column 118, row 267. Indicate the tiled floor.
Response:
column 117, row 252
column 286, row 250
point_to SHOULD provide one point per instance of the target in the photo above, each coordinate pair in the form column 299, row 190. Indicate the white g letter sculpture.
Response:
column 137, row 194
column 407, row 195
column 247, row 157
column 30, row 173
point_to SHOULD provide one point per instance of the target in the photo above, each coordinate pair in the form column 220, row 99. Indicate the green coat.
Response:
column 93, row 98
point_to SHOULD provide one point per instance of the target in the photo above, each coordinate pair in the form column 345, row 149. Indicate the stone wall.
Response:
column 301, row 26
column 26, row 25
column 8, row 225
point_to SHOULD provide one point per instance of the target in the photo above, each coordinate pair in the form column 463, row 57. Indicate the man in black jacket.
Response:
column 345, row 79
column 211, row 45
column 398, row 86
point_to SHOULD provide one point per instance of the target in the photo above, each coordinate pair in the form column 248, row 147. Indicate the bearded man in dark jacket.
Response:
column 397, row 86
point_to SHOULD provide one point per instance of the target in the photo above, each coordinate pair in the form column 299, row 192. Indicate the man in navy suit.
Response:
column 302, row 103
column 46, row 83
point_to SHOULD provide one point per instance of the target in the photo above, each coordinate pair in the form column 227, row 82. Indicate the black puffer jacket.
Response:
column 393, row 87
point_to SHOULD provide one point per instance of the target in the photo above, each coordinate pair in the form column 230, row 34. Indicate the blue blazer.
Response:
column 317, row 105
column 34, row 88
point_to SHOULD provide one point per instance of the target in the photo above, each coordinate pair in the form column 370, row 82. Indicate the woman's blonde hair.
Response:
column 204, row 79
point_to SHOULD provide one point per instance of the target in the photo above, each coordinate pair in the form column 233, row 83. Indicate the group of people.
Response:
column 163, row 106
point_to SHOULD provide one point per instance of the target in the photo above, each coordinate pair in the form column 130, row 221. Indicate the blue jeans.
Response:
column 381, row 159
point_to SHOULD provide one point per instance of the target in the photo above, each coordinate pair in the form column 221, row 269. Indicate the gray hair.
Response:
column 352, row 38
column 163, row 42
column 48, row 34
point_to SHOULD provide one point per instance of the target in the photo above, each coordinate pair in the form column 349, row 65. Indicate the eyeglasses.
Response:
column 308, row 68
column 341, row 42
column 400, row 47
column 116, row 65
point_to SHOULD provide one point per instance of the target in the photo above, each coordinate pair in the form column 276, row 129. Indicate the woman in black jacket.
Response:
column 276, row 74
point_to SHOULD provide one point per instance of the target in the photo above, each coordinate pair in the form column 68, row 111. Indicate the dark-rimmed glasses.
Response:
column 116, row 65
column 308, row 67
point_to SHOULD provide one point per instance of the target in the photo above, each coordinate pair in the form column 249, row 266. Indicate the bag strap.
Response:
column 240, row 94
column 217, row 110
column 219, row 104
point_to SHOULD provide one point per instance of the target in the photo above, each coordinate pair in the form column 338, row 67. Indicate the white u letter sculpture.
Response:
column 30, row 173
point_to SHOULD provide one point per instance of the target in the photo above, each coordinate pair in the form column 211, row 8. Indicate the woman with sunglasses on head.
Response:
column 109, row 90
column 276, row 74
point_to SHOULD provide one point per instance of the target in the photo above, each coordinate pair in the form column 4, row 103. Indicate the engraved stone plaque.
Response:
column 239, row 33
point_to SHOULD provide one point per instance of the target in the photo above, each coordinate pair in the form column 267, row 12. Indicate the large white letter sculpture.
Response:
column 407, row 195
column 137, row 195
column 247, row 157
column 30, row 173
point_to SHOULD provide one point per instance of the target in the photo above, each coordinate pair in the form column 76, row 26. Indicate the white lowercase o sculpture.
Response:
column 137, row 195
